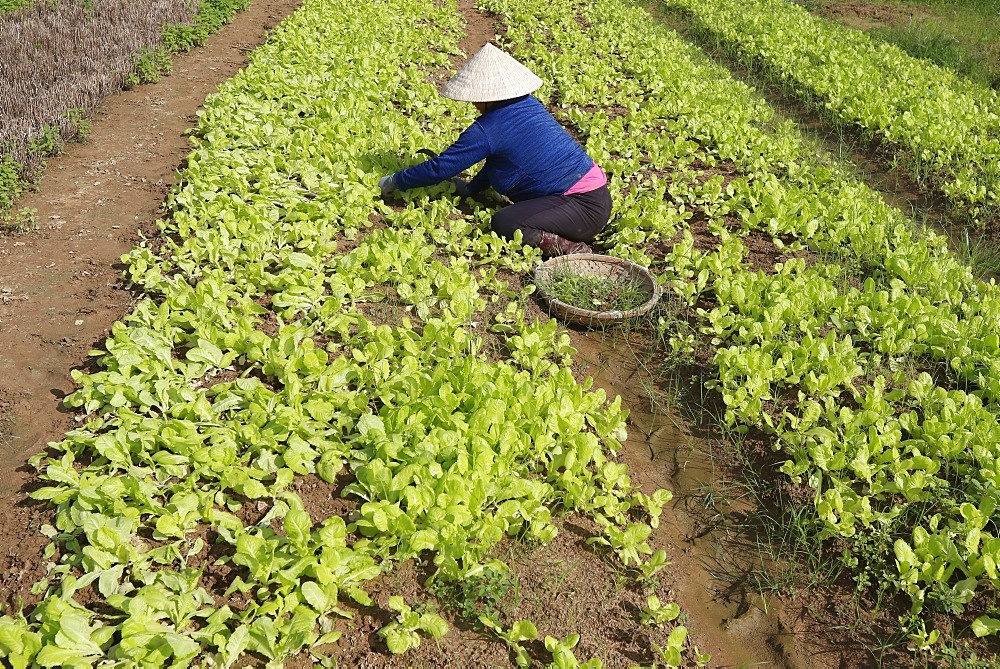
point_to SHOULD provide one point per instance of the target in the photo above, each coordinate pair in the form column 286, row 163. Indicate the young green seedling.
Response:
column 656, row 614
column 522, row 630
column 563, row 657
column 627, row 543
column 655, row 563
column 401, row 634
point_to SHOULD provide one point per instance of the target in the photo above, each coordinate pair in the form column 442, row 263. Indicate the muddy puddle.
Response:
column 710, row 552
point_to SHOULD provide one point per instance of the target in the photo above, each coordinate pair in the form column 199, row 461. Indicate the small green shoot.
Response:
column 563, row 657
column 921, row 640
column 476, row 596
column 656, row 613
column 522, row 630
column 672, row 654
column 653, row 504
column 628, row 543
column 655, row 563
column 21, row 222
column 401, row 634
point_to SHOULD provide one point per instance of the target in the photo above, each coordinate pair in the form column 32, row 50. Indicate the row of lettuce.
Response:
column 944, row 129
column 870, row 353
column 288, row 332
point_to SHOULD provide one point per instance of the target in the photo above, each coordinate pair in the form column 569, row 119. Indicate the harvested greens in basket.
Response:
column 595, row 293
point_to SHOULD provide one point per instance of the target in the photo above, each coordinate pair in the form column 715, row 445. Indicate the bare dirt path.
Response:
column 61, row 288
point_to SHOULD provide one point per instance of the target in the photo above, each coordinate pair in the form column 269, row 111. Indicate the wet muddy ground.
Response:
column 664, row 450
column 744, row 603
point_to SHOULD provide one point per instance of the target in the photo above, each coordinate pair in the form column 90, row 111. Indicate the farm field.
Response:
column 940, row 127
column 338, row 426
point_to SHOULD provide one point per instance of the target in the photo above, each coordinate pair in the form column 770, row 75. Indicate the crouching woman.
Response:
column 560, row 198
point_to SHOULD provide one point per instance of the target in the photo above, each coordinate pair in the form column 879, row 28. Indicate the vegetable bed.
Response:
column 296, row 326
column 942, row 127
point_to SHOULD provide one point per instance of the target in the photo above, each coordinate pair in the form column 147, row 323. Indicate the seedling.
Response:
column 627, row 543
column 475, row 597
column 671, row 654
column 655, row 563
column 653, row 504
column 402, row 634
column 19, row 223
column 522, row 630
column 656, row 614
column 563, row 657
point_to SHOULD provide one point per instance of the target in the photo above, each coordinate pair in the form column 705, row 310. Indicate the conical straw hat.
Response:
column 489, row 76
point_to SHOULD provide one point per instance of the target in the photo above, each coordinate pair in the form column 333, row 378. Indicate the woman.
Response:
column 560, row 196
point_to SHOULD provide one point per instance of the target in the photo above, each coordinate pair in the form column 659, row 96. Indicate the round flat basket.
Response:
column 606, row 267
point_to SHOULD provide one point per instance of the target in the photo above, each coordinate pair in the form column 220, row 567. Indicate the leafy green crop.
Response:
column 657, row 613
column 11, row 184
column 297, row 325
column 521, row 630
column 944, row 127
column 830, row 354
column 401, row 634
column 11, row 5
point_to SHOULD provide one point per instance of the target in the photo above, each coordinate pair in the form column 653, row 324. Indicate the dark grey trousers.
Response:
column 578, row 217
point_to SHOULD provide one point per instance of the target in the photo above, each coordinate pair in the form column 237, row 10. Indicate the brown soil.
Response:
column 61, row 287
column 866, row 16
column 480, row 28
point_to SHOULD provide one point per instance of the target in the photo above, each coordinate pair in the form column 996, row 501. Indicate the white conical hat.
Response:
column 489, row 76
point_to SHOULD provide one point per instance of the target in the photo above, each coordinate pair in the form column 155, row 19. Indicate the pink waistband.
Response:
column 592, row 180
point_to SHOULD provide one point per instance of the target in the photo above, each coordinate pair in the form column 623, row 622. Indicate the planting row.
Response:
column 866, row 350
column 944, row 128
column 297, row 326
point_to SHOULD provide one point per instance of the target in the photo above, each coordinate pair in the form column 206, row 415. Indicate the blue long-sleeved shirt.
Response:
column 527, row 153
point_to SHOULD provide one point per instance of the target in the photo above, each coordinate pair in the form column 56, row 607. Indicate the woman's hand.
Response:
column 386, row 185
column 461, row 187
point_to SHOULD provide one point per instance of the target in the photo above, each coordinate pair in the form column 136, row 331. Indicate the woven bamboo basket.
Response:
column 593, row 264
